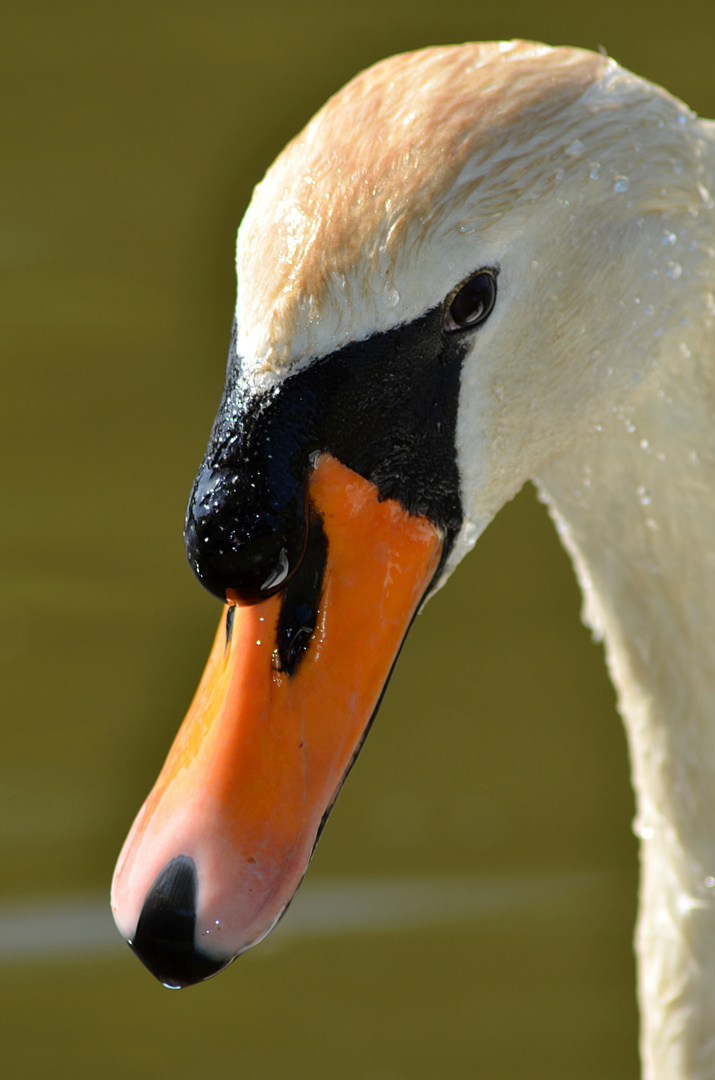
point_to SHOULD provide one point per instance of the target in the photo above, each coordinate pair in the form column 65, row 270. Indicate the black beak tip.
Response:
column 164, row 938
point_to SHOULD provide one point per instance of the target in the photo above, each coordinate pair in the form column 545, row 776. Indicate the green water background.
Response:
column 131, row 137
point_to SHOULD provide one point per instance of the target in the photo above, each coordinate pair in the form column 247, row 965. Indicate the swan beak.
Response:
column 225, row 837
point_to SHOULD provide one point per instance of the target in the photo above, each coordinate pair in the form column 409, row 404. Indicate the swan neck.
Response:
column 633, row 505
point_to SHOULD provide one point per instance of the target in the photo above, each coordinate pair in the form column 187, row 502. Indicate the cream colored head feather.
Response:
column 423, row 148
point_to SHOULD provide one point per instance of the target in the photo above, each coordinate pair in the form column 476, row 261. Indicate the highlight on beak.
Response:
column 222, row 842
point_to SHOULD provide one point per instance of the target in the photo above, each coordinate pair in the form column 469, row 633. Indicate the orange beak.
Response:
column 225, row 837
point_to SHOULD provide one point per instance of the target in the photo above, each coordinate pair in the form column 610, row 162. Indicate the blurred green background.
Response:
column 132, row 135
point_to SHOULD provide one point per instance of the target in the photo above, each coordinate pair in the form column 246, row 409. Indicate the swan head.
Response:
column 463, row 263
column 583, row 185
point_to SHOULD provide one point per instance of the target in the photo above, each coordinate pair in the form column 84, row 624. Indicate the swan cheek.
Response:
column 224, row 839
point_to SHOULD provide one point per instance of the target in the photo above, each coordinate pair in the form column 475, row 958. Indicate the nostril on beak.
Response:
column 164, row 938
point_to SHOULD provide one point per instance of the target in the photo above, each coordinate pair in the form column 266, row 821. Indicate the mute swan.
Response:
column 476, row 265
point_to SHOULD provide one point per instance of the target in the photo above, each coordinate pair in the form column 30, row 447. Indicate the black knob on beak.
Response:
column 243, row 533
column 247, row 519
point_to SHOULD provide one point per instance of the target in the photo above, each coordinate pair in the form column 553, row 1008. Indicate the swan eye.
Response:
column 472, row 303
